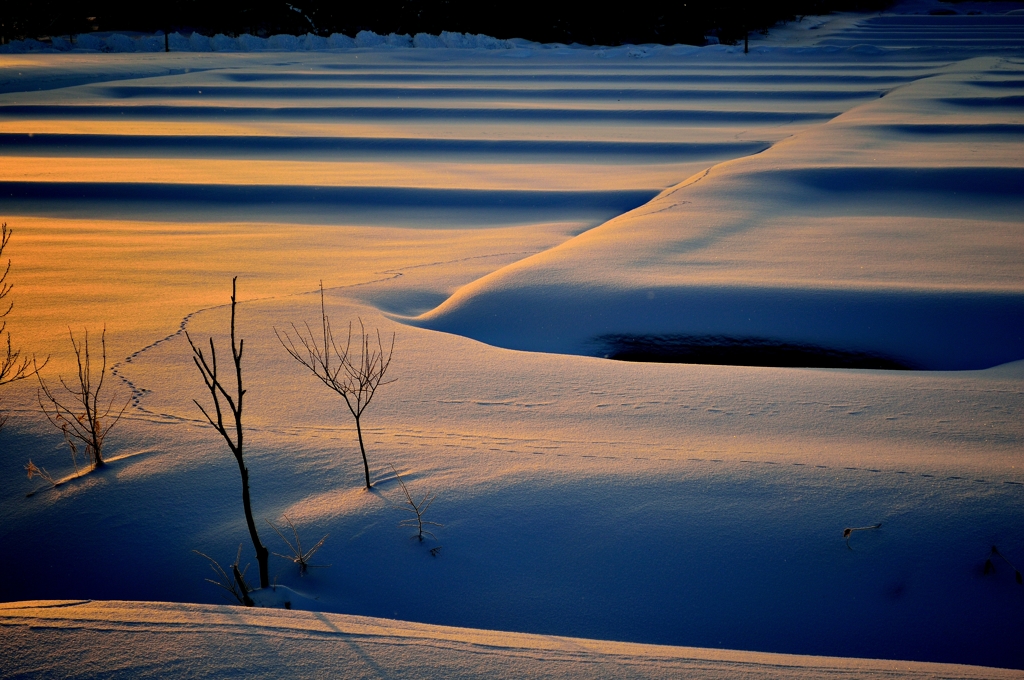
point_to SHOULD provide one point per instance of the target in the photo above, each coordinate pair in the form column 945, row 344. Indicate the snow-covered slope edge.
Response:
column 84, row 638
column 894, row 222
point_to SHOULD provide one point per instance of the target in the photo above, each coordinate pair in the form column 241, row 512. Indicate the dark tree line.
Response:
column 551, row 21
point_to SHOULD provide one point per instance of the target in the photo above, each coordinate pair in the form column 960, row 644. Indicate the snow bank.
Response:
column 50, row 637
column 880, row 283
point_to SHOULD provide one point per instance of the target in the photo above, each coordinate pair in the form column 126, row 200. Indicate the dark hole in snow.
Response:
column 729, row 351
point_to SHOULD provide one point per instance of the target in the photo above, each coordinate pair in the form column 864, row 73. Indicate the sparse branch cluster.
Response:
column 13, row 366
column 79, row 411
column 355, row 373
column 417, row 509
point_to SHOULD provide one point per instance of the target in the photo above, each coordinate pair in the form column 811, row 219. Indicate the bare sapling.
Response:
column 233, row 402
column 353, row 372
column 78, row 410
column 847, row 532
column 417, row 509
column 13, row 366
column 233, row 583
column 299, row 556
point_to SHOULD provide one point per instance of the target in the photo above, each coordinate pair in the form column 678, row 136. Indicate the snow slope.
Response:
column 50, row 637
column 698, row 506
column 893, row 222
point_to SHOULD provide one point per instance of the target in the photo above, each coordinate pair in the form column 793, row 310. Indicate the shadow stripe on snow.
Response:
column 990, row 182
column 1012, row 101
column 855, row 328
column 756, row 78
column 468, row 93
column 248, row 194
column 161, row 112
column 204, row 146
column 1003, row 130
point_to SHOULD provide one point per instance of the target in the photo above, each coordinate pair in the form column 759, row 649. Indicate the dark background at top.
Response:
column 553, row 21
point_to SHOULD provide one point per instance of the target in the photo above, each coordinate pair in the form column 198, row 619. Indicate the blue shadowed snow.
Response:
column 371, row 205
column 377, row 113
column 927, row 330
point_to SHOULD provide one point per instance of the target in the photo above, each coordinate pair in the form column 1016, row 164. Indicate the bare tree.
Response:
column 78, row 412
column 355, row 375
column 208, row 370
column 13, row 366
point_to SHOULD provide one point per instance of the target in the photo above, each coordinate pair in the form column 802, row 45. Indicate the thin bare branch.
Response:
column 418, row 509
column 299, row 556
column 233, row 583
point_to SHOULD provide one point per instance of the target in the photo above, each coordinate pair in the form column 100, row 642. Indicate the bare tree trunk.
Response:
column 362, row 450
column 246, row 600
column 262, row 553
column 208, row 371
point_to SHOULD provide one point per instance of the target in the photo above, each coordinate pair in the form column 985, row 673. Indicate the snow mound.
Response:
column 51, row 637
column 862, row 243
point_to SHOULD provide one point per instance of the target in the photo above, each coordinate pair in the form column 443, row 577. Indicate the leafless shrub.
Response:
column 79, row 412
column 13, row 366
column 36, row 471
column 355, row 375
column 208, row 371
column 235, row 583
column 299, row 556
column 417, row 509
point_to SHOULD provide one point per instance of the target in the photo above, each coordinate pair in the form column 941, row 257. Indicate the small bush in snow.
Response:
column 298, row 555
column 199, row 43
column 425, row 40
column 314, row 42
column 251, row 43
column 179, row 43
column 285, row 42
column 399, row 40
column 340, row 40
column 13, row 366
column 78, row 410
column 222, row 43
column 416, row 509
column 369, row 39
column 235, row 583
column 34, row 470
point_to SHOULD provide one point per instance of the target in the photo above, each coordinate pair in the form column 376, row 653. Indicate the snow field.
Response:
column 652, row 503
